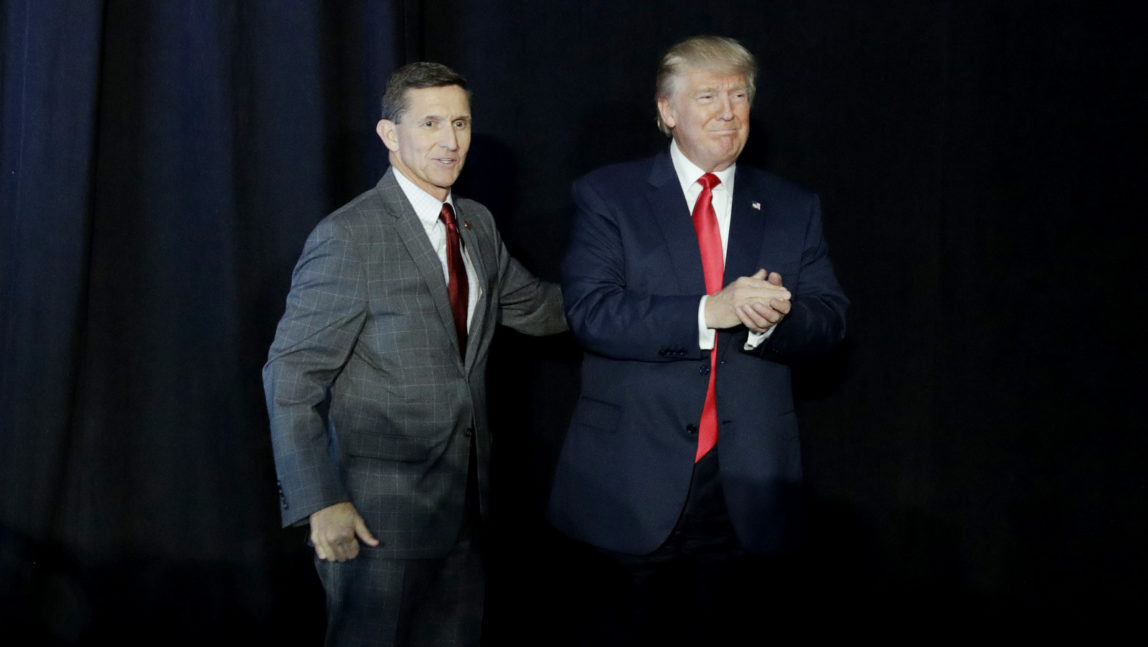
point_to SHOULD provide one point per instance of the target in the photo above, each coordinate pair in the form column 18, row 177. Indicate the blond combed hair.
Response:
column 709, row 52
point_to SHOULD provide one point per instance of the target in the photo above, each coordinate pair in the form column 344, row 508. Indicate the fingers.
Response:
column 781, row 306
column 363, row 533
column 760, row 317
column 350, row 549
column 752, row 319
column 765, row 275
column 760, row 285
column 747, row 301
column 334, row 530
column 748, row 290
column 335, row 546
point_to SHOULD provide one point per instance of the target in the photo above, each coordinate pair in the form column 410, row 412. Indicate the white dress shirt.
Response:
column 688, row 174
column 427, row 208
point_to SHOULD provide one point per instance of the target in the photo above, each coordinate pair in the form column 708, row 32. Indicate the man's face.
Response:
column 708, row 115
column 430, row 142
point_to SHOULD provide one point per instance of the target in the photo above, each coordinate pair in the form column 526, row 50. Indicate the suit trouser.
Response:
column 699, row 587
column 407, row 602
column 410, row 602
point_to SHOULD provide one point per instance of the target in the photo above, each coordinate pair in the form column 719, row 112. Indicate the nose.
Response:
column 725, row 107
column 449, row 140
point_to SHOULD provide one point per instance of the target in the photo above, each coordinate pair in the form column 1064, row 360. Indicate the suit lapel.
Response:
column 747, row 225
column 746, row 228
column 414, row 237
column 670, row 211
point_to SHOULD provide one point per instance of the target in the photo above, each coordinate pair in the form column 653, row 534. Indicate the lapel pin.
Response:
column 466, row 223
column 756, row 205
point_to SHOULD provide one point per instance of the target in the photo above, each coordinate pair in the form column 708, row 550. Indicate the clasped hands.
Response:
column 758, row 302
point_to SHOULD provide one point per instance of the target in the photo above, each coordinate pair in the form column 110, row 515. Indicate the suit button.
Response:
column 705, row 369
column 469, row 431
column 691, row 429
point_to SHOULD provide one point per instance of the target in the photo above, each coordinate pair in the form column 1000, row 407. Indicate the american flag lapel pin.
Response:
column 756, row 206
column 466, row 223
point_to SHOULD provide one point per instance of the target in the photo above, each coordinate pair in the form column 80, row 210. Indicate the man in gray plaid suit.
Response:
column 376, row 387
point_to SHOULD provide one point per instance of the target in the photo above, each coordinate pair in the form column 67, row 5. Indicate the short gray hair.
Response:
column 415, row 76
column 710, row 52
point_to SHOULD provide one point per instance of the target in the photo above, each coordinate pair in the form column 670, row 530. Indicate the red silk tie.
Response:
column 457, row 287
column 709, row 243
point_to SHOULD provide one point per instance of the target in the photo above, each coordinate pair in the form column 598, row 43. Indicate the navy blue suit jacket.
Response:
column 631, row 281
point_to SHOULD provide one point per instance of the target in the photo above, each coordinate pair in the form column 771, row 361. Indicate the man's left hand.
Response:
column 760, row 316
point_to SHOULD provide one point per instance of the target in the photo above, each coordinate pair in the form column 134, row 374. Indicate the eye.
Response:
column 705, row 98
column 428, row 123
column 460, row 123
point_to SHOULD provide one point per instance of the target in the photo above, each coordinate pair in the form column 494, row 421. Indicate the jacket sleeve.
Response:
column 326, row 309
column 606, row 313
column 525, row 302
column 816, row 321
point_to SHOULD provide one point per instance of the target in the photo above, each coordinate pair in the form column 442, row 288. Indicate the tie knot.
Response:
column 709, row 181
column 447, row 215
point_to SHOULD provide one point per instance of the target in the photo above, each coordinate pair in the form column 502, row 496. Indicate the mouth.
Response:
column 446, row 161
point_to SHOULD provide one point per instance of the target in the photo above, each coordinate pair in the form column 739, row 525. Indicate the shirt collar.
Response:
column 426, row 206
column 688, row 172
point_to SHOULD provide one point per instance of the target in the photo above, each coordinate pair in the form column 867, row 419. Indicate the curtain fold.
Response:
column 162, row 164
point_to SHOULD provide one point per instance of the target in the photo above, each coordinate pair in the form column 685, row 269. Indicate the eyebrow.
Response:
column 715, row 88
column 441, row 118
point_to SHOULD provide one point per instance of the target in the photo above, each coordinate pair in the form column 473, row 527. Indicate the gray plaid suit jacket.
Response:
column 368, row 398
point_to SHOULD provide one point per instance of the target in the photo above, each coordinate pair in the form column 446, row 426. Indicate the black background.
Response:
column 974, row 453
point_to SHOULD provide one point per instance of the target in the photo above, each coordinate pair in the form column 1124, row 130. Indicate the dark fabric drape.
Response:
column 974, row 451
column 162, row 163
column 48, row 93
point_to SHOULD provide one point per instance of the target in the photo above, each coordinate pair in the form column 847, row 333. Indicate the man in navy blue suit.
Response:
column 691, row 282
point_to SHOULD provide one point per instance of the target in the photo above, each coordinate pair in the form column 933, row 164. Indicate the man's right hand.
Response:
column 754, row 296
column 334, row 530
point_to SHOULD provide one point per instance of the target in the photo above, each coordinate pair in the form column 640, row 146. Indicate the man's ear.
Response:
column 386, row 131
column 666, row 112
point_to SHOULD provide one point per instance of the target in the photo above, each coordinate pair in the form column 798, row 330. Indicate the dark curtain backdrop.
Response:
column 974, row 453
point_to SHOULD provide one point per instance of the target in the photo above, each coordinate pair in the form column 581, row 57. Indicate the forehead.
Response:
column 693, row 78
column 445, row 101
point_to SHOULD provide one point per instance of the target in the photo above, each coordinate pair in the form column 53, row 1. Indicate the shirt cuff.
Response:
column 756, row 338
column 705, row 335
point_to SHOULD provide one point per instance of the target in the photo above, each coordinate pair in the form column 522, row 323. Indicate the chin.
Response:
column 445, row 181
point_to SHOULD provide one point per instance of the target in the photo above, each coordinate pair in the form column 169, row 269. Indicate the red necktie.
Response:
column 457, row 287
column 709, row 243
